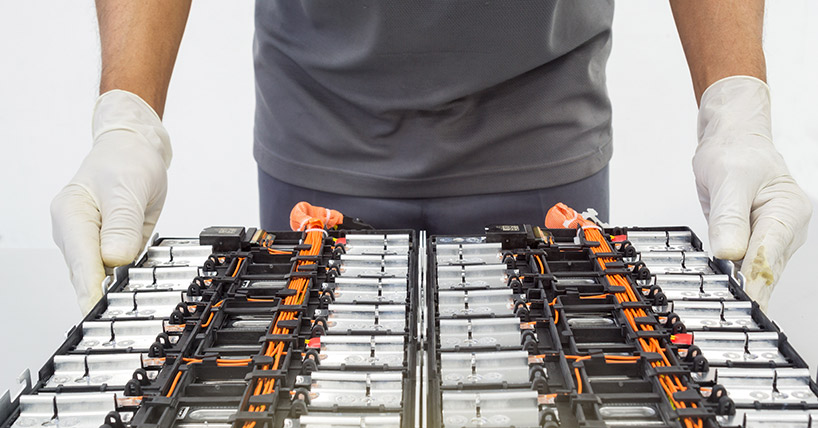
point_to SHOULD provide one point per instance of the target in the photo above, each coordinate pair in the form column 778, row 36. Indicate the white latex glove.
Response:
column 107, row 212
column 756, row 212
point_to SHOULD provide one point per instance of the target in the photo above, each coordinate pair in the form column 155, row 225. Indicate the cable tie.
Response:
column 317, row 230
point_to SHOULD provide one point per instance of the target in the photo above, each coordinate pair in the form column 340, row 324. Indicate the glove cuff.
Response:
column 734, row 107
column 126, row 111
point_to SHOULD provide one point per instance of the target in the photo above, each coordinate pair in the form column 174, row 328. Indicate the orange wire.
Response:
column 173, row 385
column 272, row 251
column 276, row 349
column 235, row 272
column 579, row 380
column 670, row 384
column 210, row 318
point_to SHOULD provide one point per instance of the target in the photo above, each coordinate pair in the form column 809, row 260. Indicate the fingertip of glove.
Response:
column 728, row 245
column 117, row 254
column 728, row 252
column 729, row 241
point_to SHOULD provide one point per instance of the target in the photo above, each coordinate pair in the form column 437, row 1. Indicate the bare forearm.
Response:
column 140, row 40
column 721, row 38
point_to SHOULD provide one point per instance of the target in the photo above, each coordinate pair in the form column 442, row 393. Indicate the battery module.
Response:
column 573, row 325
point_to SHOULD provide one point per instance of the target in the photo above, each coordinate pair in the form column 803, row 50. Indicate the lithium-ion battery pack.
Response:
column 520, row 326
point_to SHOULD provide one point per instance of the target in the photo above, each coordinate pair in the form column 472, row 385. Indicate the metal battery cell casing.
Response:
column 160, row 278
column 119, row 335
column 765, row 385
column 664, row 262
column 94, row 369
column 66, row 410
column 756, row 418
column 338, row 390
column 177, row 255
column 476, row 368
column 698, row 315
column 382, row 290
column 480, row 333
column 388, row 240
column 342, row 318
column 376, row 249
column 691, row 287
column 363, row 266
column 142, row 304
column 475, row 303
column 361, row 350
column 721, row 348
column 503, row 408
column 366, row 250
column 469, row 254
column 479, row 276
column 669, row 240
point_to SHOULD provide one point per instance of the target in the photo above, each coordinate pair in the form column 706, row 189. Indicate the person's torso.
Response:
column 431, row 97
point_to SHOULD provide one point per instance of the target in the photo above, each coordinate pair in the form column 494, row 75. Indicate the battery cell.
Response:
column 697, row 315
column 661, row 240
column 481, row 276
column 160, row 278
column 475, row 368
column 756, row 418
column 147, row 304
column 377, row 250
column 332, row 389
column 185, row 255
column 664, row 262
column 121, row 335
column 356, row 266
column 381, row 290
column 767, row 386
column 342, row 318
column 383, row 240
column 480, row 333
column 382, row 351
column 506, row 408
column 747, row 347
column 469, row 254
column 687, row 287
column 66, row 410
column 475, row 303
column 94, row 369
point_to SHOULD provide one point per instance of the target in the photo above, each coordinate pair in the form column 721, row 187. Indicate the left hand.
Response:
column 757, row 213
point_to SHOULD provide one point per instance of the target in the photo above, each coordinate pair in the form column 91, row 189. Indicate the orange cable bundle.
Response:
column 315, row 239
column 561, row 216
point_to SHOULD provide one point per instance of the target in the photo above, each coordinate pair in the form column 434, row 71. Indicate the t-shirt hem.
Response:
column 353, row 183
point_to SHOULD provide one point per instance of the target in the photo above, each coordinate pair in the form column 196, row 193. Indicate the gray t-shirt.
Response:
column 429, row 98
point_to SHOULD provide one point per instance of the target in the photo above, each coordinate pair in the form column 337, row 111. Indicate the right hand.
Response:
column 107, row 212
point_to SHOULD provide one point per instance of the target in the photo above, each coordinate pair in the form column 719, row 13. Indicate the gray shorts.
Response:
column 449, row 215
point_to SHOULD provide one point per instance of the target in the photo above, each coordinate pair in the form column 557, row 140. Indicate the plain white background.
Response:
column 49, row 69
